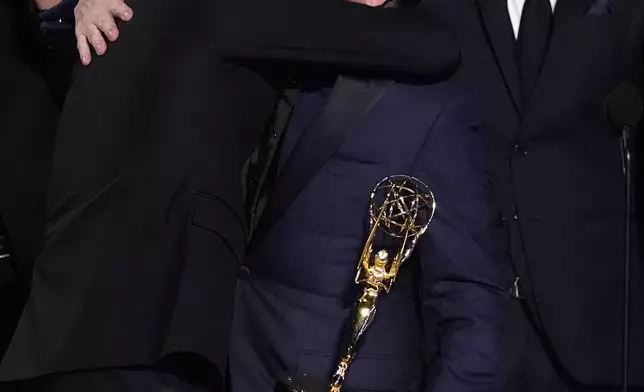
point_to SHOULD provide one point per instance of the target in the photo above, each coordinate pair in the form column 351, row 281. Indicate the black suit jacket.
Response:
column 144, row 229
column 558, row 174
column 28, row 116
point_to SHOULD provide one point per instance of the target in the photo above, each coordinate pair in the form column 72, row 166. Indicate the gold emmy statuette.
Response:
column 400, row 210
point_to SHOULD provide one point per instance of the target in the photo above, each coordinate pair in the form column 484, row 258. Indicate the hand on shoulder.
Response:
column 95, row 21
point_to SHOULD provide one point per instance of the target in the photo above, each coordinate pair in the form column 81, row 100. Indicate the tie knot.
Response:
column 536, row 6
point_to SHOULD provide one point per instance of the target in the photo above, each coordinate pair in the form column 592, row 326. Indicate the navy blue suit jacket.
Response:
column 440, row 328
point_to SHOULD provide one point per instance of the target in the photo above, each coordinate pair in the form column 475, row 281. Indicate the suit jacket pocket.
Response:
column 368, row 373
column 600, row 8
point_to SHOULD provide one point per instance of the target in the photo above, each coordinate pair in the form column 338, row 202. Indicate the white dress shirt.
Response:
column 515, row 7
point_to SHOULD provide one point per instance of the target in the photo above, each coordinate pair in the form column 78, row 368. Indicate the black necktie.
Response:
column 532, row 43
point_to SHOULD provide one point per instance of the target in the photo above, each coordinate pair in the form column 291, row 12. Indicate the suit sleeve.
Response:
column 335, row 33
column 465, row 281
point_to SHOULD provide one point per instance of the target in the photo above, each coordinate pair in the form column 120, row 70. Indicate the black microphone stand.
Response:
column 627, row 160
column 624, row 108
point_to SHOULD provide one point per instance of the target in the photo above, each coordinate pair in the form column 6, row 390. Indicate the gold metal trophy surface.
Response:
column 400, row 210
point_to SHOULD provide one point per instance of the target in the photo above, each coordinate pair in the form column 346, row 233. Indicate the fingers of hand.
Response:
column 122, row 11
column 94, row 21
column 83, row 49
column 97, row 41
column 109, row 29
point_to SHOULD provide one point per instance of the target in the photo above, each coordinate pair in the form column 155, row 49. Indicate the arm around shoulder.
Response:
column 335, row 33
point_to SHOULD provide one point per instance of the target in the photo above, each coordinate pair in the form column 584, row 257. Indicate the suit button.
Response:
column 515, row 217
column 521, row 151
column 243, row 273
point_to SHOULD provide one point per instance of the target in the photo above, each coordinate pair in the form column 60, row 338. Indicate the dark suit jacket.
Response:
column 293, row 303
column 28, row 116
column 144, row 219
column 557, row 172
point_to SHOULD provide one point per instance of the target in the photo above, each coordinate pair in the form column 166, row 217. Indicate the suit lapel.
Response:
column 499, row 33
column 566, row 13
column 349, row 101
